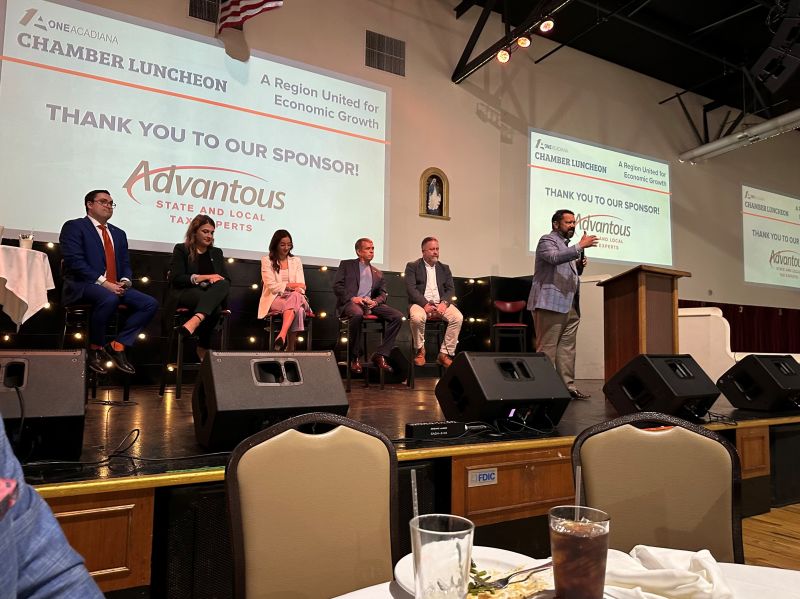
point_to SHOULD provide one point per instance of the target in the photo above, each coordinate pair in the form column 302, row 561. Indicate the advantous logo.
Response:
column 602, row 224
column 789, row 258
column 32, row 16
column 545, row 145
column 210, row 184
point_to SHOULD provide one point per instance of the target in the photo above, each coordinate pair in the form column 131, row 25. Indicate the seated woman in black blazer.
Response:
column 198, row 281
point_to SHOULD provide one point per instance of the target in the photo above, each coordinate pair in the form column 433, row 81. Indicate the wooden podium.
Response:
column 640, row 308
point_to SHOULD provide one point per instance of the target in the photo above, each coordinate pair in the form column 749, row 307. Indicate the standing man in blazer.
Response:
column 360, row 289
column 555, row 295
column 97, row 271
column 430, row 290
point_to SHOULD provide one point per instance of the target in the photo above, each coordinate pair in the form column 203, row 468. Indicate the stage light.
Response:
column 142, row 336
column 171, row 367
column 47, row 306
column 6, row 337
column 402, row 274
column 343, row 340
column 254, row 286
column 301, row 339
column 454, row 298
column 252, row 339
column 323, row 268
column 403, row 318
column 230, row 260
column 523, row 41
column 472, row 281
column 503, row 56
column 78, row 335
column 323, row 314
column 51, row 245
column 145, row 279
column 547, row 25
column 472, row 319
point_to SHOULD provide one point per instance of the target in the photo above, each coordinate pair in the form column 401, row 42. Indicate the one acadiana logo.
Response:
column 784, row 258
column 209, row 183
column 28, row 17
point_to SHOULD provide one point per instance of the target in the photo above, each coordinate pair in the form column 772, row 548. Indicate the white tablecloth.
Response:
column 746, row 582
column 25, row 277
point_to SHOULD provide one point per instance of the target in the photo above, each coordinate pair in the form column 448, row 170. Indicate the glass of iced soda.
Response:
column 579, row 545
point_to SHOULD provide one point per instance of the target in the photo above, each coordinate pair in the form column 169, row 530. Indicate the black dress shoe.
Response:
column 578, row 394
column 96, row 361
column 279, row 344
column 120, row 360
column 380, row 361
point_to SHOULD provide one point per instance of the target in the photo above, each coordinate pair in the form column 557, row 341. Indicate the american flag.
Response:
column 233, row 13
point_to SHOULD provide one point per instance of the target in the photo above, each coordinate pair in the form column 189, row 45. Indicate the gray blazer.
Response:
column 417, row 278
column 555, row 276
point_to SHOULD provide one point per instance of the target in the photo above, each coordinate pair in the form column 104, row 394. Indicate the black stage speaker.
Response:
column 765, row 383
column 779, row 66
column 670, row 384
column 488, row 386
column 52, row 388
column 238, row 394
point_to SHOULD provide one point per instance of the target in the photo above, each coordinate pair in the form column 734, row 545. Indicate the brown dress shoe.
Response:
column 380, row 362
column 444, row 360
column 355, row 366
column 419, row 357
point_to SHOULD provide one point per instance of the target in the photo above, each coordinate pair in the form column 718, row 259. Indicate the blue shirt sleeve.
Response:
column 36, row 562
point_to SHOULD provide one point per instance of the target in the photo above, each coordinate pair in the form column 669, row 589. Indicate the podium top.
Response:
column 646, row 268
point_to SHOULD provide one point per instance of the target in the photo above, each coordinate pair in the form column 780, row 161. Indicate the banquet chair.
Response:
column 676, row 486
column 514, row 328
column 312, row 511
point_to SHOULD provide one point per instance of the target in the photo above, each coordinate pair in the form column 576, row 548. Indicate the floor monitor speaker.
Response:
column 238, row 394
column 48, row 388
column 767, row 383
column 670, row 384
column 485, row 387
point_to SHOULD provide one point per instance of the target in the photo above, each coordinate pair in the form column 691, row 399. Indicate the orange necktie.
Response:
column 111, row 260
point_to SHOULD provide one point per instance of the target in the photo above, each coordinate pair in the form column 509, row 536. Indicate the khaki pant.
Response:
column 555, row 337
column 454, row 319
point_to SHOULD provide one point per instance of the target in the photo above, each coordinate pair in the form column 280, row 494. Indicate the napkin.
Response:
column 658, row 573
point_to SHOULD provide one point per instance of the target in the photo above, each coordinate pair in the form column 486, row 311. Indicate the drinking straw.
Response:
column 577, row 491
column 414, row 500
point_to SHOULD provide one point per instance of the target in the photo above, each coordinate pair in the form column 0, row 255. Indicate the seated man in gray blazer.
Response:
column 430, row 291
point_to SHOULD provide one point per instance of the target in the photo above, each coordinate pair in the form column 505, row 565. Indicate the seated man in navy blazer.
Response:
column 97, row 271
column 360, row 289
column 430, row 288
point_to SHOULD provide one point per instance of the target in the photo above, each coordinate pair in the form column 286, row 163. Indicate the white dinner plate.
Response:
column 491, row 559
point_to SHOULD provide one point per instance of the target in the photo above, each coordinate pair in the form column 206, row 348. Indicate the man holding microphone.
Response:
column 554, row 299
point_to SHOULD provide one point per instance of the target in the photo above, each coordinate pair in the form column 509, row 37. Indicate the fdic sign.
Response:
column 482, row 477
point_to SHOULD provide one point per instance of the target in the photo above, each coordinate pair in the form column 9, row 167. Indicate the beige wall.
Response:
column 437, row 123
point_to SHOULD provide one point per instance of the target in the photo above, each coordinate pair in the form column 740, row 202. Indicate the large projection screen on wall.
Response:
column 173, row 127
column 770, row 237
column 621, row 197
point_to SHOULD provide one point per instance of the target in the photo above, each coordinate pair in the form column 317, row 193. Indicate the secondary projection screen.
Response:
column 621, row 197
column 173, row 127
column 770, row 237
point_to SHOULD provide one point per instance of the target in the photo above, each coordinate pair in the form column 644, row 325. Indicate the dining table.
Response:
column 745, row 582
column 25, row 277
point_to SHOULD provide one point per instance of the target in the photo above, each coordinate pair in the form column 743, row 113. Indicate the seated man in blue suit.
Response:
column 555, row 292
column 361, row 289
column 97, row 271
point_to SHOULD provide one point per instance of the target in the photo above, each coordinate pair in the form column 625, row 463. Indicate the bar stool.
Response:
column 273, row 322
column 79, row 316
column 514, row 329
column 437, row 325
column 370, row 324
column 176, row 340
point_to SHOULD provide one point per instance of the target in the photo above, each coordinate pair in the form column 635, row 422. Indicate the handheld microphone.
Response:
column 126, row 284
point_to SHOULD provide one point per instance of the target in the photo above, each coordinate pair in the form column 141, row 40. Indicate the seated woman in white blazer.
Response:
column 284, row 289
